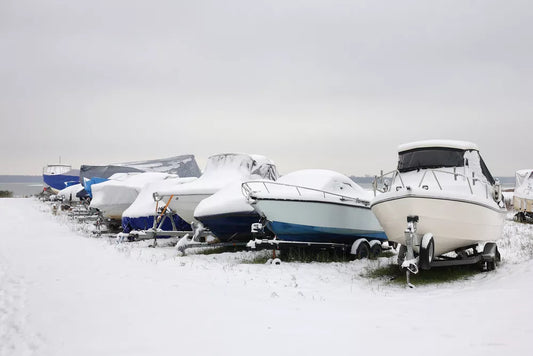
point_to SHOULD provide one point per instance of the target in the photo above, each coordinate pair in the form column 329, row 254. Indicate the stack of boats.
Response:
column 441, row 199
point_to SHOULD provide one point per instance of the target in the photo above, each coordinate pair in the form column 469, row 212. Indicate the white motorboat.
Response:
column 315, row 206
column 523, row 195
column 221, row 170
column 445, row 196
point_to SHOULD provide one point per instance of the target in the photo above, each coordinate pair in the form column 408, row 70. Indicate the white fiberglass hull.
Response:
column 318, row 221
column 184, row 205
column 454, row 223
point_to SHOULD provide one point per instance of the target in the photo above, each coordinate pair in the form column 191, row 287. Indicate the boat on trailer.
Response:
column 145, row 213
column 115, row 195
column 523, row 195
column 317, row 207
column 441, row 198
column 181, row 200
column 60, row 176
column 221, row 170
column 227, row 214
column 182, row 166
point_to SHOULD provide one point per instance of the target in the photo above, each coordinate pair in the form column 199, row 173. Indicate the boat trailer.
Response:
column 524, row 217
column 426, row 259
column 196, row 238
column 361, row 248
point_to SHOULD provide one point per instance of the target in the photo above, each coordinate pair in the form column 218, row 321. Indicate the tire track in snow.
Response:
column 15, row 339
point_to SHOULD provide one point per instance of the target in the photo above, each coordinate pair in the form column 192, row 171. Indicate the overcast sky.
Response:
column 310, row 84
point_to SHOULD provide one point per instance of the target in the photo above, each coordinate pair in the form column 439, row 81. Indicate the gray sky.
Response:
column 310, row 84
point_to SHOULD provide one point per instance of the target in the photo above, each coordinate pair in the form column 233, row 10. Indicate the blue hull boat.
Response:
column 307, row 233
column 147, row 222
column 60, row 176
column 232, row 226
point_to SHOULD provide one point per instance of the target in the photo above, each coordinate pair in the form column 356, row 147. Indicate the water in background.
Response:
column 22, row 189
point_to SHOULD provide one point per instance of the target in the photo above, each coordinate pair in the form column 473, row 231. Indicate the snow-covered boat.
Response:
column 445, row 196
column 68, row 194
column 227, row 213
column 142, row 213
column 523, row 194
column 115, row 195
column 183, row 166
column 60, row 176
column 315, row 206
column 221, row 170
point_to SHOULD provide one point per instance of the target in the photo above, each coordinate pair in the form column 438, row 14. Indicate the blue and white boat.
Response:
column 318, row 206
column 60, row 176
column 227, row 213
column 142, row 213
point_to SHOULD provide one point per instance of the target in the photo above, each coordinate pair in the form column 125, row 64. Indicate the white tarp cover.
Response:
column 144, row 204
column 524, row 184
column 70, row 191
column 121, row 190
column 223, row 169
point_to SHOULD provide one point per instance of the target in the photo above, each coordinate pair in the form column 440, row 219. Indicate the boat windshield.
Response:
column 424, row 158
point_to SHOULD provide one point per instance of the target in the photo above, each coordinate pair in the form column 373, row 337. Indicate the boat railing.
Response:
column 383, row 184
column 249, row 188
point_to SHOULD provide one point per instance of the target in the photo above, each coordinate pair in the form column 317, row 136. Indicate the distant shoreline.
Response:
column 17, row 178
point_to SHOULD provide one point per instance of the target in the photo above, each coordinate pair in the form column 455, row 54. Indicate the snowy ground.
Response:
column 63, row 293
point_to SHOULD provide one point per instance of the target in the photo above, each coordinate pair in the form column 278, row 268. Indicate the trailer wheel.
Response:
column 491, row 265
column 427, row 251
column 362, row 251
column 491, row 255
column 375, row 250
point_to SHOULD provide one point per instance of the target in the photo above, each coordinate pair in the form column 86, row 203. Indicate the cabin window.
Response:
column 423, row 158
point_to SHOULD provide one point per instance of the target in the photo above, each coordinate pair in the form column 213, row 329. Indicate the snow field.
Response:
column 62, row 293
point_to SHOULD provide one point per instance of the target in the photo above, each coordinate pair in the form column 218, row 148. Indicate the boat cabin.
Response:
column 433, row 154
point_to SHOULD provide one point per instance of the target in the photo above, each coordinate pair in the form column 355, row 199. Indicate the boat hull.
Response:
column 454, row 223
column 147, row 222
column 231, row 226
column 60, row 181
column 319, row 221
column 185, row 204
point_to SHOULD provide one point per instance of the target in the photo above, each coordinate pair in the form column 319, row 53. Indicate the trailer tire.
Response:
column 427, row 251
column 491, row 256
column 363, row 250
column 491, row 265
column 375, row 250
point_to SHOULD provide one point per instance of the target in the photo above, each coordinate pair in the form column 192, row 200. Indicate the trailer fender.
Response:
column 360, row 248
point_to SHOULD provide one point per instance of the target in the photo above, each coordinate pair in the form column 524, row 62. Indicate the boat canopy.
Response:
column 422, row 155
column 183, row 166
column 56, row 169
column 225, row 168
column 459, row 145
